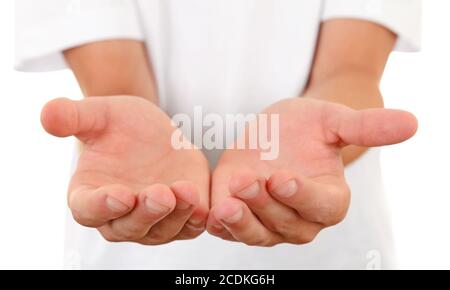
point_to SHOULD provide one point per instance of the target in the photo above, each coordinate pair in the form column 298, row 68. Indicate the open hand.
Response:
column 130, row 183
column 290, row 199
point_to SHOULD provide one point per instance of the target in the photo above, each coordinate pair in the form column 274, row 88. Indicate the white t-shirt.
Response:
column 229, row 56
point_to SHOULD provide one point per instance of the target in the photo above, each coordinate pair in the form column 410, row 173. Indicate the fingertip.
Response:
column 397, row 126
column 278, row 178
column 229, row 211
column 194, row 227
column 95, row 207
column 283, row 184
column 199, row 217
column 186, row 194
column 239, row 224
column 411, row 124
column 241, row 180
column 58, row 117
column 120, row 200
column 213, row 226
column 116, row 205
column 159, row 199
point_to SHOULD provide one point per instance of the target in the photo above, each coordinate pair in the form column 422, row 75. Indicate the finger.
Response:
column 196, row 224
column 188, row 233
column 216, row 228
column 63, row 117
column 237, row 218
column 194, row 227
column 250, row 188
column 197, row 220
column 187, row 199
column 154, row 203
column 373, row 127
column 95, row 207
column 323, row 201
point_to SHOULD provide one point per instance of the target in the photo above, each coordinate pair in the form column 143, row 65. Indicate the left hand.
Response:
column 292, row 198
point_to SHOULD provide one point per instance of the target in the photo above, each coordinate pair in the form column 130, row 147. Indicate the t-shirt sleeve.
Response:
column 45, row 28
column 403, row 17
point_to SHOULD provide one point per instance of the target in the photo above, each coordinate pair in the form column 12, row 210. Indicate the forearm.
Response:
column 354, row 89
column 115, row 67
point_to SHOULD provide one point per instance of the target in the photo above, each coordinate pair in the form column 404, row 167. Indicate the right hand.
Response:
column 130, row 183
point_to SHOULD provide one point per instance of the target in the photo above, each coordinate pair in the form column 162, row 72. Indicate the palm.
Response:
column 130, row 182
column 135, row 150
column 302, row 190
column 303, row 147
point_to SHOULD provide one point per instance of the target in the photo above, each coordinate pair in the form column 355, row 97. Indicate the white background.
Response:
column 34, row 167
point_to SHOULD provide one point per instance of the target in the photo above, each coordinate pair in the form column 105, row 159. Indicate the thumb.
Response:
column 375, row 127
column 63, row 117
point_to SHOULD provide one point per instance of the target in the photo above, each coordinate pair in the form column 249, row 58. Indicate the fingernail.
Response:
column 218, row 227
column 116, row 205
column 249, row 192
column 195, row 221
column 235, row 217
column 196, row 224
column 287, row 189
column 155, row 207
column 194, row 228
column 181, row 204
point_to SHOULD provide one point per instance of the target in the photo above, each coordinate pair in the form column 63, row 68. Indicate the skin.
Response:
column 130, row 183
column 113, row 67
column 291, row 199
column 262, row 203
